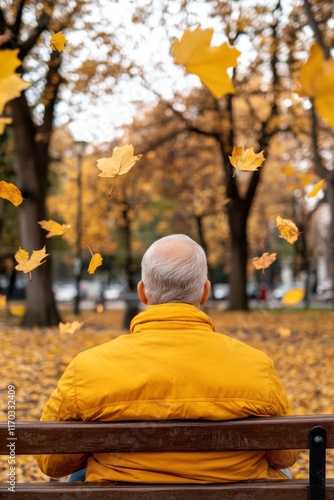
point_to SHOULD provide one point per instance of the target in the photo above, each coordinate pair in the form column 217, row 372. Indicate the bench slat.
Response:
column 283, row 490
column 250, row 433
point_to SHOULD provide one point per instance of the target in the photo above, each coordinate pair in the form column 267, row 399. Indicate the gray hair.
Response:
column 174, row 269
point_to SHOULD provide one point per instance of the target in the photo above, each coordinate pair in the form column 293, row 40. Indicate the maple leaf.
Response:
column 288, row 229
column 58, row 41
column 54, row 228
column 317, row 82
column 264, row 261
column 246, row 160
column 209, row 63
column 10, row 88
column 10, row 192
column 121, row 161
column 95, row 261
column 315, row 190
column 9, row 62
column 293, row 296
column 70, row 328
column 28, row 264
column 11, row 83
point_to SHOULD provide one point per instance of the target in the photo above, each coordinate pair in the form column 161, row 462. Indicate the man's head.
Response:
column 174, row 269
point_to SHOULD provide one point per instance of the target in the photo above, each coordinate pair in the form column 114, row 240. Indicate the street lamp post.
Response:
column 80, row 145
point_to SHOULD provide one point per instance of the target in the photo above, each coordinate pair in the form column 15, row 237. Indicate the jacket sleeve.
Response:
column 280, row 459
column 62, row 405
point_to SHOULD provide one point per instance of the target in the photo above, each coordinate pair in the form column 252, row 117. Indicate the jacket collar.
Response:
column 169, row 316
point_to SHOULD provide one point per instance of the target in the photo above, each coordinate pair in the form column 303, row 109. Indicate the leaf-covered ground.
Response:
column 300, row 343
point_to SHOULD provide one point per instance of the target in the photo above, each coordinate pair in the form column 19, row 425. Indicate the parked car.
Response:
column 65, row 292
column 113, row 291
column 222, row 290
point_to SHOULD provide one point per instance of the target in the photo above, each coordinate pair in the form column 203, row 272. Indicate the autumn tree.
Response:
column 322, row 119
column 263, row 111
column 27, row 26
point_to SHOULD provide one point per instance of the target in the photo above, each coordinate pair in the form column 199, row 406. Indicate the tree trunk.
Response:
column 204, row 245
column 31, row 159
column 131, row 297
column 238, row 258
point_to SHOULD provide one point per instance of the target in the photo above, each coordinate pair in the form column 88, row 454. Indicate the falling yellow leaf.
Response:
column 210, row 64
column 3, row 123
column 11, row 83
column 54, row 228
column 9, row 62
column 284, row 332
column 317, row 82
column 121, row 161
column 70, row 327
column 28, row 264
column 288, row 229
column 264, row 261
column 10, row 88
column 95, row 262
column 293, row 296
column 246, row 160
column 288, row 170
column 315, row 190
column 10, row 192
column 58, row 41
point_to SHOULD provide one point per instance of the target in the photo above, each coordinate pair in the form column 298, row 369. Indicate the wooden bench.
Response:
column 315, row 433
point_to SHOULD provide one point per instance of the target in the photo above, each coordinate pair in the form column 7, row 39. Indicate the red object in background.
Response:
column 263, row 292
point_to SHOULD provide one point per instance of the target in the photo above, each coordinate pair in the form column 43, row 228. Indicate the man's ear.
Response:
column 206, row 293
column 141, row 293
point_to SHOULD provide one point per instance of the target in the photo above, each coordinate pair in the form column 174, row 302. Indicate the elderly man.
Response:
column 173, row 365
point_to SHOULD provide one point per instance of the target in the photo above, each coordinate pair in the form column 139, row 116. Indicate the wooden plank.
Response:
column 251, row 433
column 271, row 490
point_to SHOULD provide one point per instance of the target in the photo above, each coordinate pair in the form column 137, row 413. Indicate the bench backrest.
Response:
column 315, row 433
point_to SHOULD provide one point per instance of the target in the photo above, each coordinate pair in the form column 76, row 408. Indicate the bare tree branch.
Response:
column 315, row 27
column 53, row 82
column 34, row 36
column 18, row 19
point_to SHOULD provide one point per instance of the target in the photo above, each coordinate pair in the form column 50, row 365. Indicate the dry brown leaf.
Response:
column 264, row 261
column 121, row 161
column 288, row 229
column 10, row 192
column 70, row 327
column 58, row 41
column 28, row 264
column 246, row 160
column 54, row 228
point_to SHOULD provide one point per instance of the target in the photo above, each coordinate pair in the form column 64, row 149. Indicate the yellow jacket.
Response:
column 173, row 365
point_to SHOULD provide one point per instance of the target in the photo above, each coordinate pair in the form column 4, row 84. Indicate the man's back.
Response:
column 173, row 365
